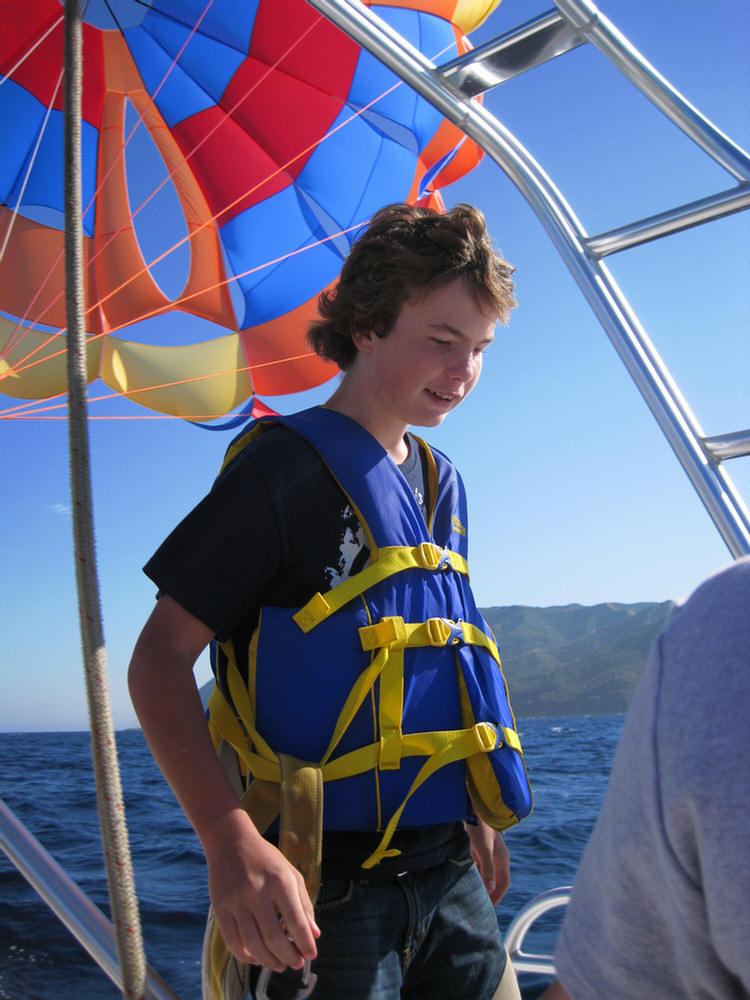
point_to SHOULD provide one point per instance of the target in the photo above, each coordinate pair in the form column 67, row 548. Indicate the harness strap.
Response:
column 301, row 832
column 262, row 802
column 393, row 632
column 390, row 559
column 482, row 736
column 467, row 743
column 391, row 636
column 300, row 786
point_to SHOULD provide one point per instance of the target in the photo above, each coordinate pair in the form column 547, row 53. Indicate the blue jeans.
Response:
column 420, row 936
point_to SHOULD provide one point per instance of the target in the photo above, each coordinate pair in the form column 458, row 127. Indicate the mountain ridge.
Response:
column 575, row 659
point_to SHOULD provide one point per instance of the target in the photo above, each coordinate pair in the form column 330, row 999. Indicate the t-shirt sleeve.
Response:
column 219, row 560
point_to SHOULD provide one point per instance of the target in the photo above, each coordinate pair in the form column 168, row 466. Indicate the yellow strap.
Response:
column 483, row 736
column 298, row 798
column 391, row 636
column 366, row 758
column 511, row 739
column 440, row 748
column 222, row 722
column 391, row 559
column 245, row 709
column 261, row 802
column 395, row 633
column 466, row 744
column 391, row 710
column 243, row 736
column 301, row 830
column 222, row 976
column 356, row 696
column 248, row 743
column 263, row 762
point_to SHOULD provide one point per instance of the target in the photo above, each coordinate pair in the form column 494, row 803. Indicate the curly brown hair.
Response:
column 406, row 250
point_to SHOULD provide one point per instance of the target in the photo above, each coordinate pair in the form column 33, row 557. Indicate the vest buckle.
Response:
column 428, row 556
column 443, row 632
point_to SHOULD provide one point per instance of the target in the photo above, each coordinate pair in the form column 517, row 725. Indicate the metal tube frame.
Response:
column 715, row 206
column 531, row 44
column 521, row 924
column 648, row 371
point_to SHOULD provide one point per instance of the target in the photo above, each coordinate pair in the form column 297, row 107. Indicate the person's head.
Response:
column 408, row 251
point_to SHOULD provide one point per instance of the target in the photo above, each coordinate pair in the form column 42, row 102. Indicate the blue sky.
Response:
column 575, row 495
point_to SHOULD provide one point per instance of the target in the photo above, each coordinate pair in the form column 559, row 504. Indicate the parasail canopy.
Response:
column 230, row 153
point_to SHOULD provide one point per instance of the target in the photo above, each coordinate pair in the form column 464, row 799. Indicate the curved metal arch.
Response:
column 582, row 253
column 522, row 923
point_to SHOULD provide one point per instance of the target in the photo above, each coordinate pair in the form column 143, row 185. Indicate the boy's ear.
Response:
column 363, row 340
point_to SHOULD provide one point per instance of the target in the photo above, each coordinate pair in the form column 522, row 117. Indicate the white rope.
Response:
column 122, row 896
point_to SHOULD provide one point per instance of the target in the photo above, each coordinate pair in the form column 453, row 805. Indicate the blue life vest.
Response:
column 391, row 681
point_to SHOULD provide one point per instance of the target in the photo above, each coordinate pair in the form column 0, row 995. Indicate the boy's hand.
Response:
column 491, row 857
column 260, row 900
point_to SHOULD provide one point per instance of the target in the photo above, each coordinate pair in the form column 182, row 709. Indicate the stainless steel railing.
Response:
column 522, row 923
column 84, row 920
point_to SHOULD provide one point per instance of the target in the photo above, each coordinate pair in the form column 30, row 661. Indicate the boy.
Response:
column 306, row 508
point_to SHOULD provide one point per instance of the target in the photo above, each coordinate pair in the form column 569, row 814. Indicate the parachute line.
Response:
column 34, row 47
column 32, row 160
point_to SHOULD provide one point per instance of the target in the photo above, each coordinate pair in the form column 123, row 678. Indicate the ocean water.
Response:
column 46, row 779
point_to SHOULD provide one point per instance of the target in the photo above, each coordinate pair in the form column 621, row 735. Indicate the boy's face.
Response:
column 432, row 358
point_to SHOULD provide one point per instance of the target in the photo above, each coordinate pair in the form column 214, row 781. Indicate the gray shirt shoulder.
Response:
column 661, row 902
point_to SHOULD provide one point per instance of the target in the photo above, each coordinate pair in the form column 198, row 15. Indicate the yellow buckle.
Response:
column 438, row 631
column 427, row 555
column 487, row 736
